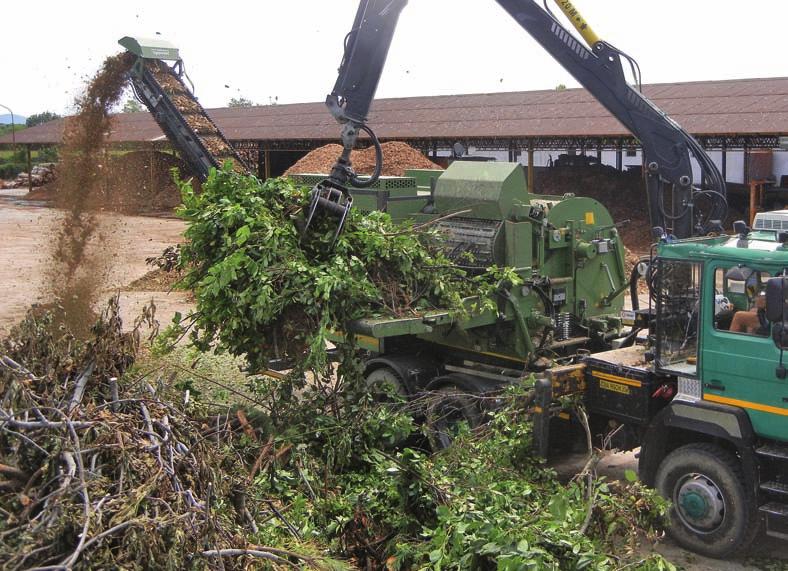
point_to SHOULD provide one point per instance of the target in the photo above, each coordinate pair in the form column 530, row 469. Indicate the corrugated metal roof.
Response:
column 741, row 107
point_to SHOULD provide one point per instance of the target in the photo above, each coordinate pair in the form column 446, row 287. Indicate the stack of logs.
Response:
column 40, row 175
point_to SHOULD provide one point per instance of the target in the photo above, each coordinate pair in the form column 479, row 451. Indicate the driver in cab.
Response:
column 754, row 320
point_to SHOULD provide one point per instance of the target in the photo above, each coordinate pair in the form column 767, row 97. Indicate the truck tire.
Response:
column 711, row 512
column 385, row 384
column 449, row 406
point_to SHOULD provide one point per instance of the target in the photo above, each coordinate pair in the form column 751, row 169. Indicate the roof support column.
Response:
column 260, row 161
column 267, row 159
column 724, row 165
column 531, row 179
column 151, row 165
column 746, row 164
column 29, row 169
column 619, row 157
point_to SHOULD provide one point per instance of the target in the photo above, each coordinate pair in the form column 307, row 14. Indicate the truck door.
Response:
column 740, row 359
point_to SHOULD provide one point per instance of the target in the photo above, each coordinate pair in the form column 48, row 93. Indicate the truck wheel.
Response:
column 449, row 407
column 384, row 383
column 711, row 513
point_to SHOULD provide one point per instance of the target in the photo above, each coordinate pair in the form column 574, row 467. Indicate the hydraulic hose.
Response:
column 367, row 182
column 634, row 276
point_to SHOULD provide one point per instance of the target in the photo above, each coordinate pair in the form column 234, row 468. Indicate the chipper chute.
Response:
column 160, row 86
column 151, row 48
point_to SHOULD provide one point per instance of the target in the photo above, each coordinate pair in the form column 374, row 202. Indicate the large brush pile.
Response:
column 265, row 292
column 98, row 472
column 105, row 467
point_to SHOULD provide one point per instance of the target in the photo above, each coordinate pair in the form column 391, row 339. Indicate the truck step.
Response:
column 776, row 451
column 775, row 488
column 777, row 509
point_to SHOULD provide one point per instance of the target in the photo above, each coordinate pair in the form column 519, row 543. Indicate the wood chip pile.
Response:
column 133, row 183
column 397, row 157
column 622, row 193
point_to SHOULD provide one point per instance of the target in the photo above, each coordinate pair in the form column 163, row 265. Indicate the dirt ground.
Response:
column 24, row 229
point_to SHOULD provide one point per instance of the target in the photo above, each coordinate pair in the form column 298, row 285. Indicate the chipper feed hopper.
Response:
column 566, row 250
column 162, row 89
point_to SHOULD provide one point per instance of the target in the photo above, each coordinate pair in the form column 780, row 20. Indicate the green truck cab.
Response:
column 707, row 401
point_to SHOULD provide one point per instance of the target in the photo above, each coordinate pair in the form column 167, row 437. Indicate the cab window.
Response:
column 740, row 300
column 678, row 305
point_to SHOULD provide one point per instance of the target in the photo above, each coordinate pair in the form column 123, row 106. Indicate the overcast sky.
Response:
column 290, row 49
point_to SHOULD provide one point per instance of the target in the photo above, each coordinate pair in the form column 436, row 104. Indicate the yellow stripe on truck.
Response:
column 747, row 404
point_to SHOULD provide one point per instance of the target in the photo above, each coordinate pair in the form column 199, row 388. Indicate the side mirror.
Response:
column 780, row 335
column 776, row 292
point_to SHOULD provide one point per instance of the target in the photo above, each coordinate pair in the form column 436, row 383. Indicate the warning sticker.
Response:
column 615, row 387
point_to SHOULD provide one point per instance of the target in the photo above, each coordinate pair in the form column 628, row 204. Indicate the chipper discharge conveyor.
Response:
column 162, row 89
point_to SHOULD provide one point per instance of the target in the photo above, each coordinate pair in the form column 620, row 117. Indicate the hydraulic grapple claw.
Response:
column 329, row 199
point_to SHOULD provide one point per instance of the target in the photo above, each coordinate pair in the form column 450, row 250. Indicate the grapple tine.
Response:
column 329, row 199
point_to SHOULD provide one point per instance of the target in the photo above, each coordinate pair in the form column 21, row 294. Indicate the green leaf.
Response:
column 558, row 507
column 242, row 234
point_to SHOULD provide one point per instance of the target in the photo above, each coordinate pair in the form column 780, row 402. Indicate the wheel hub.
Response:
column 699, row 503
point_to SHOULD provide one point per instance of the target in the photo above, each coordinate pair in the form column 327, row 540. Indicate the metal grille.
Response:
column 766, row 222
column 384, row 183
column 470, row 241
column 689, row 389
column 395, row 182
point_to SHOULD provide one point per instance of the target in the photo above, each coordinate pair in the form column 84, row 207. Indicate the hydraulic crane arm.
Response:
column 667, row 147
column 366, row 49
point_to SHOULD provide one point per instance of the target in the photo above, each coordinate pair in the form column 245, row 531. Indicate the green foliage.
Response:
column 263, row 292
column 11, row 169
column 47, row 155
column 505, row 509
column 8, row 128
column 240, row 102
column 43, row 117
column 132, row 106
column 356, row 484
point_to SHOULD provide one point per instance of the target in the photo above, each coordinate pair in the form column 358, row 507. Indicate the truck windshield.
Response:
column 678, row 315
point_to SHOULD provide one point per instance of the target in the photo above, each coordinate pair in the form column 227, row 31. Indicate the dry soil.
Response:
column 25, row 228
